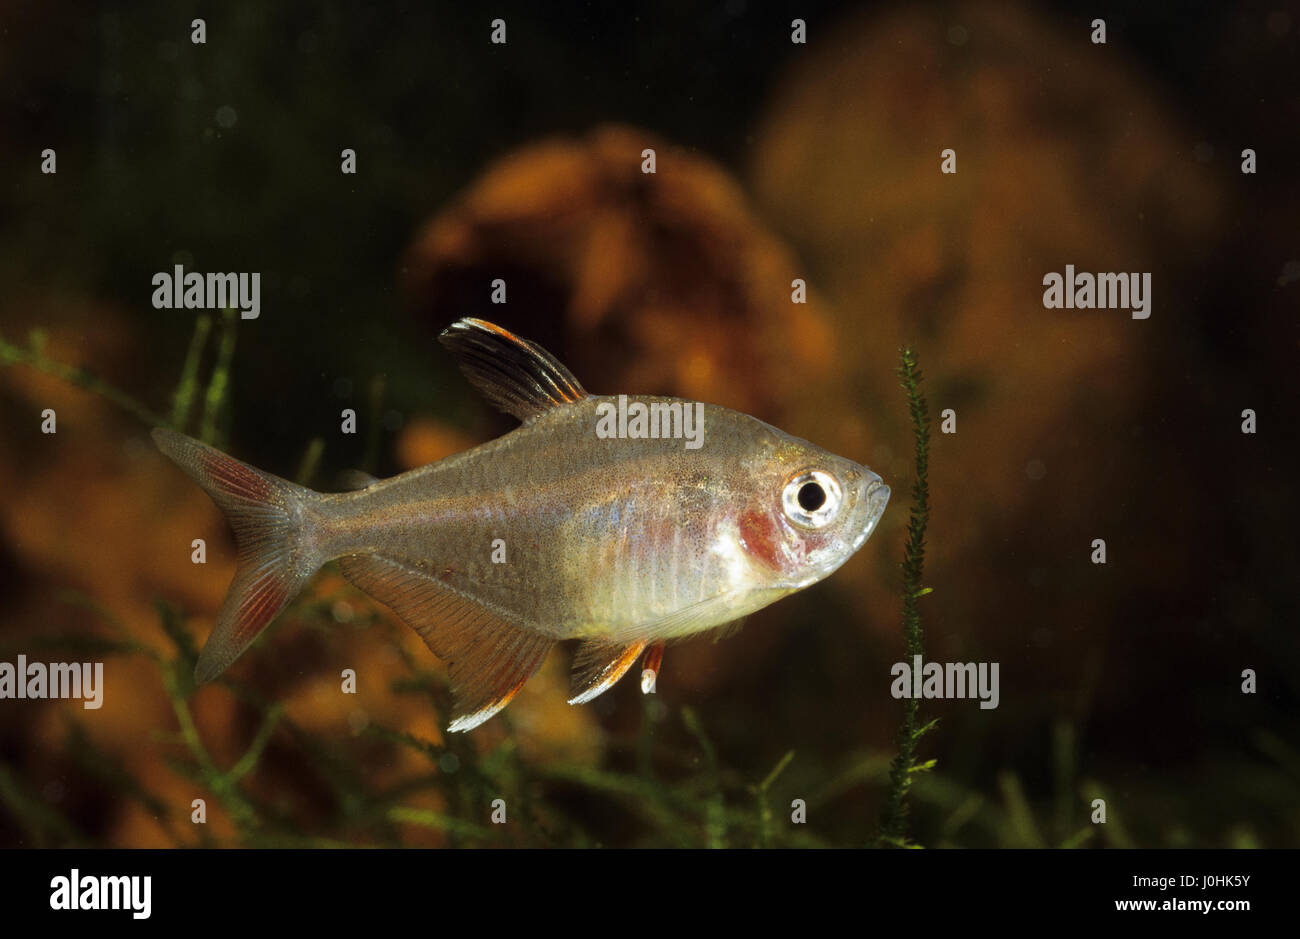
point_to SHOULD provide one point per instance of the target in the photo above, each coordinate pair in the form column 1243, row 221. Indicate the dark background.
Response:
column 776, row 161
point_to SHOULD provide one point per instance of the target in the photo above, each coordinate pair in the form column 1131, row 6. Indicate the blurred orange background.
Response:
column 775, row 162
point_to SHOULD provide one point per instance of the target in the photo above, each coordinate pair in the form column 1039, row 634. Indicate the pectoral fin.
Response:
column 488, row 655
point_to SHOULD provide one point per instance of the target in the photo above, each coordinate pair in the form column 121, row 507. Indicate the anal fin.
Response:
column 488, row 655
column 599, row 665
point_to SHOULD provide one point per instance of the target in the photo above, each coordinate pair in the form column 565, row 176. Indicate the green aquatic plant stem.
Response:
column 715, row 826
column 764, row 836
column 187, row 390
column 188, row 385
column 310, row 462
column 219, row 382
column 893, row 815
column 34, row 356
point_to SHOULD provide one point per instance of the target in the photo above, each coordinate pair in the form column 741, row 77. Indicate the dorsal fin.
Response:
column 517, row 376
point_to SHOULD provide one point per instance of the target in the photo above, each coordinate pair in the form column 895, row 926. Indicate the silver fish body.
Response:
column 610, row 539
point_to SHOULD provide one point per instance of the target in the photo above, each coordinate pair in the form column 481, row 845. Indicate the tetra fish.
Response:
column 560, row 529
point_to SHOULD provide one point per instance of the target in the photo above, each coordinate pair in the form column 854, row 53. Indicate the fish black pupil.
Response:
column 811, row 497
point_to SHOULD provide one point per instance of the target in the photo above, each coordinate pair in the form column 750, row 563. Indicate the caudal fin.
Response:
column 270, row 517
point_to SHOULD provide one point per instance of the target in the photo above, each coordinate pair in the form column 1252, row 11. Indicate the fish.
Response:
column 575, row 525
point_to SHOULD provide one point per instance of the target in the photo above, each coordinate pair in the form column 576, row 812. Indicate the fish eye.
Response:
column 811, row 499
column 811, row 496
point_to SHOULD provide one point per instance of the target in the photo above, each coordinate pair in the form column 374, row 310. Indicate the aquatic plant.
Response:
column 271, row 781
column 903, row 770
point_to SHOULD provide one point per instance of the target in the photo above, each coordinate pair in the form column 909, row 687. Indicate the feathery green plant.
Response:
column 214, row 401
column 675, row 793
column 893, row 815
column 183, row 399
column 34, row 355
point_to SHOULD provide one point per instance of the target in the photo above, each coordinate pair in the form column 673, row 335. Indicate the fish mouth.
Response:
column 874, row 499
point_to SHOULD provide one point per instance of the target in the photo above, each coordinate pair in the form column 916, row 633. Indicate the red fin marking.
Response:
column 262, row 603
column 267, row 516
column 234, row 478
column 650, row 667
column 514, row 374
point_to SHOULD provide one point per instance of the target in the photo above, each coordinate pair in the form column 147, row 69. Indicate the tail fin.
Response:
column 275, row 559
